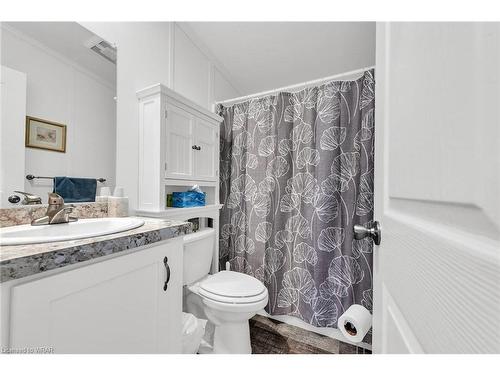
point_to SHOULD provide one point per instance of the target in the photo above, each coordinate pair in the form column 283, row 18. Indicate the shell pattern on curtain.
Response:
column 296, row 175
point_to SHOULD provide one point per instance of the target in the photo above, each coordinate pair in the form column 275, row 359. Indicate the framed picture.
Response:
column 46, row 135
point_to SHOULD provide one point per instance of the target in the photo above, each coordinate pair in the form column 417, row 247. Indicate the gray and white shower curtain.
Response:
column 296, row 175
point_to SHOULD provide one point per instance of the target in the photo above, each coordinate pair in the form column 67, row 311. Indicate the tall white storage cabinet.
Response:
column 178, row 148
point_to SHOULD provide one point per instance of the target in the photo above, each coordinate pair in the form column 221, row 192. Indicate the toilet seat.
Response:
column 229, row 287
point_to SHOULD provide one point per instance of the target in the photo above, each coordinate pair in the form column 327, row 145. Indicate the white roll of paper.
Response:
column 355, row 323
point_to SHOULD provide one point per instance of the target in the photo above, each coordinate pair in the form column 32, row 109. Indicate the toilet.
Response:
column 226, row 299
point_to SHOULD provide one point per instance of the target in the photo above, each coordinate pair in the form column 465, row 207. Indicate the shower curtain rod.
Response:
column 296, row 87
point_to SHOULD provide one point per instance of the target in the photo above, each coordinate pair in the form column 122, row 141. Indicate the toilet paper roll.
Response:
column 355, row 323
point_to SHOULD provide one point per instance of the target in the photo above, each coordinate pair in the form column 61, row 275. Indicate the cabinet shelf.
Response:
column 183, row 213
column 182, row 182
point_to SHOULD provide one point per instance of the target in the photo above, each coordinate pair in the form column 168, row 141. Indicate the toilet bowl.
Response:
column 227, row 299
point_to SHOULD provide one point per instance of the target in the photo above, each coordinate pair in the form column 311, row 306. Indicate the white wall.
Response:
column 191, row 70
column 196, row 74
column 59, row 90
column 263, row 56
column 149, row 53
column 143, row 60
column 223, row 89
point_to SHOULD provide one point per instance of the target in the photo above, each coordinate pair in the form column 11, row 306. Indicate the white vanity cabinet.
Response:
column 116, row 305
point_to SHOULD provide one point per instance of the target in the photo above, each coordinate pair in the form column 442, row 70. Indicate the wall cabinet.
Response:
column 178, row 146
column 206, row 140
column 112, row 306
column 178, row 143
column 190, row 146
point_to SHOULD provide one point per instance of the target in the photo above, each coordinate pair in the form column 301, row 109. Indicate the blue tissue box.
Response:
column 188, row 199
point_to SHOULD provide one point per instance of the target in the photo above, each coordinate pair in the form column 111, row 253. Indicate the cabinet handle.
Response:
column 165, row 262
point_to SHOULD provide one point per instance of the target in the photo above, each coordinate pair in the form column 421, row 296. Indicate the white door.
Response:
column 437, row 188
column 114, row 306
column 179, row 143
column 206, row 141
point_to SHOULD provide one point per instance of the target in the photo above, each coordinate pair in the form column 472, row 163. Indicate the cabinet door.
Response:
column 114, row 306
column 205, row 138
column 179, row 142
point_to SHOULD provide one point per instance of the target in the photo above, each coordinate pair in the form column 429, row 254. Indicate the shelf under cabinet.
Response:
column 183, row 213
column 182, row 182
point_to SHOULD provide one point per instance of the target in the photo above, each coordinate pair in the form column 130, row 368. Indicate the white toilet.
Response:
column 227, row 299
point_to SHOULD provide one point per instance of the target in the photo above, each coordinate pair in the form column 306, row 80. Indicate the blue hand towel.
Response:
column 74, row 189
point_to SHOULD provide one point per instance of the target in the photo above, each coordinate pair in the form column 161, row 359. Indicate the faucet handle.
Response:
column 55, row 198
column 29, row 198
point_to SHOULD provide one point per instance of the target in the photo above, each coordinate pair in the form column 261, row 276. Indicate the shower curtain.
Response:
column 296, row 174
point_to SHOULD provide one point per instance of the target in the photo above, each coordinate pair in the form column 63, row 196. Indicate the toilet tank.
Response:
column 198, row 254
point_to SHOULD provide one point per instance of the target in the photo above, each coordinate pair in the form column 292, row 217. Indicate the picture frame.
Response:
column 45, row 135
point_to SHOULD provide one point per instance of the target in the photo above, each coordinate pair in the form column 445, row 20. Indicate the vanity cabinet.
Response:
column 118, row 305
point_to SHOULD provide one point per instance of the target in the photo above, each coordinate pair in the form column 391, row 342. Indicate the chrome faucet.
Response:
column 57, row 212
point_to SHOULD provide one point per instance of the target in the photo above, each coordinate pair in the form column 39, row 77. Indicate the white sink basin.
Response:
column 83, row 228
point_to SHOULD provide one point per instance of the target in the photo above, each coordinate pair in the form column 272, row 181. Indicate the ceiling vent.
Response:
column 102, row 48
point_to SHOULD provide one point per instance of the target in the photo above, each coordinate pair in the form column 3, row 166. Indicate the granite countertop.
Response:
column 19, row 261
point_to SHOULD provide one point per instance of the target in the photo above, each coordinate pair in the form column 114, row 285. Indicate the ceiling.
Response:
column 261, row 56
column 67, row 39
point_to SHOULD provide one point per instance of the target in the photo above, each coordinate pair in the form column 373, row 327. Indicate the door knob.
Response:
column 371, row 230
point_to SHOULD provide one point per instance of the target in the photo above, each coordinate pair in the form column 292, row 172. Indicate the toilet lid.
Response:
column 232, row 284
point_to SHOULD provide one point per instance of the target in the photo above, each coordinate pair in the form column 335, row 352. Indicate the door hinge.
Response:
column 165, row 166
column 166, row 114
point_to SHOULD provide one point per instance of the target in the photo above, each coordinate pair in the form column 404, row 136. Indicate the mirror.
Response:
column 58, row 95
